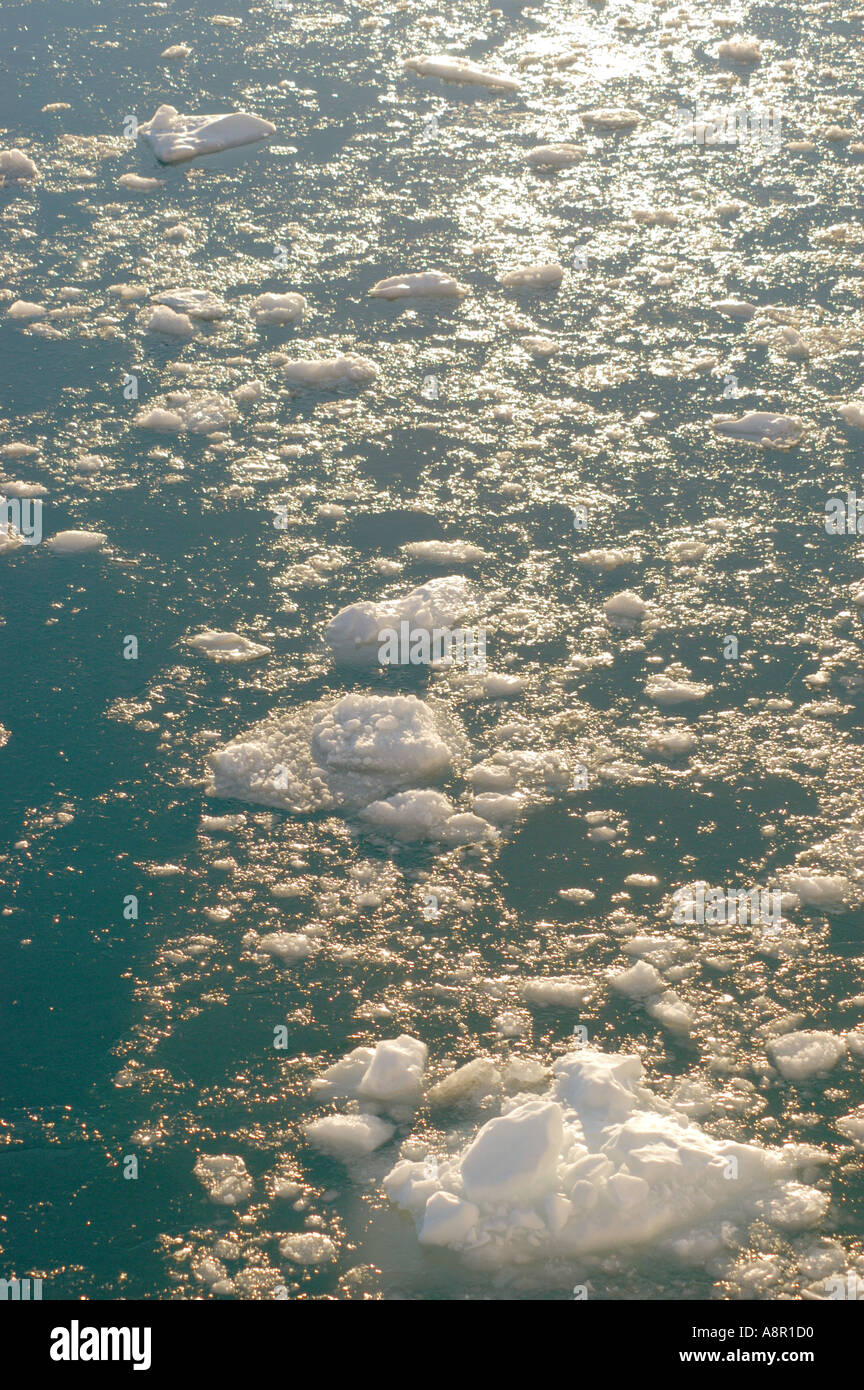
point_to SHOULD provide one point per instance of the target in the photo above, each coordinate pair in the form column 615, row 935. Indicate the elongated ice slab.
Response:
column 423, row 284
column 462, row 71
column 227, row 646
column 556, row 156
column 348, row 370
column 175, row 138
column 761, row 427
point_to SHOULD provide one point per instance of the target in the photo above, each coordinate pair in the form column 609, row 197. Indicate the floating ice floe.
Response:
column 391, row 1071
column 274, row 308
column 444, row 552
column 15, row 165
column 197, row 304
column 138, row 183
column 462, row 71
column 200, row 412
column 175, row 52
column 735, row 308
column 800, row 1055
column 227, row 646
column 427, row 815
column 308, row 1248
column 26, row 310
column 76, row 542
column 611, row 118
column 224, row 1178
column 597, row 1164
column 740, row 50
column 603, row 561
column 828, row 892
column 349, row 1136
column 175, row 138
column 671, row 688
column 424, row 284
column 354, row 633
column 556, row 156
column 348, row 370
column 173, row 325
column 853, row 414
column 625, row 608
column 342, row 755
column 761, row 427
column 533, row 277
column 541, row 347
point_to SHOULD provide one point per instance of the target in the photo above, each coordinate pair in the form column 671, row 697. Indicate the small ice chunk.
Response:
column 556, row 992
column 286, row 946
column 198, row 304
column 853, row 414
column 139, row 184
column 761, row 427
column 666, row 689
column 224, row 1178
column 735, row 308
column 308, row 1248
column 419, row 285
column 15, row 165
column 534, row 277
column 165, row 320
column 348, row 1136
column 625, row 607
column 348, row 370
column 76, row 542
column 638, row 982
column 826, row 891
column 740, row 50
column 26, row 310
column 273, row 308
column 556, row 156
column 809, row 1053
column 227, row 646
column 175, row 138
column 444, row 552
column 452, row 69
column 611, row 118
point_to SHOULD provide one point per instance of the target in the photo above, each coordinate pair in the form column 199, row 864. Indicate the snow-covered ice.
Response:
column 175, row 138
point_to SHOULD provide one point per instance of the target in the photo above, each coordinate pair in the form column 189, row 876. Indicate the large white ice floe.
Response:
column 342, row 755
column 423, row 284
column 175, row 138
column 597, row 1164
column 761, row 427
column 460, row 70
column 354, row 633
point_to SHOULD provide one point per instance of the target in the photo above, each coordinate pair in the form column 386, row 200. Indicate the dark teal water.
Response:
column 111, row 1026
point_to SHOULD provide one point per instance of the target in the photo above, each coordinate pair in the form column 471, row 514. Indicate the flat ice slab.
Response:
column 175, row 138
